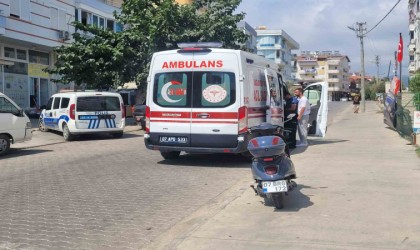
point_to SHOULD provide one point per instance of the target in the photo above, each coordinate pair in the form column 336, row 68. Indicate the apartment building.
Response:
column 414, row 32
column 251, row 43
column 329, row 66
column 277, row 45
column 29, row 32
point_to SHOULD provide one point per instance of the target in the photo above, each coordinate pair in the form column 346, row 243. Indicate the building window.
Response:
column 15, row 8
column 15, row 53
column 85, row 18
column 39, row 57
column 9, row 52
column 110, row 24
column 58, row 18
column 21, row 54
column 411, row 57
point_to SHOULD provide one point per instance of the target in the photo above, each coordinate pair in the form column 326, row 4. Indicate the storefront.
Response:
column 22, row 77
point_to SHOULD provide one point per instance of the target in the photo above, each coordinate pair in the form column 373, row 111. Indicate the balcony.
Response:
column 333, row 62
column 2, row 25
column 412, row 49
column 333, row 80
column 412, row 67
column 307, row 71
column 334, row 71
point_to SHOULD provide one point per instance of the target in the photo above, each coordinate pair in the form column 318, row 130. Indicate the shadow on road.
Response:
column 14, row 152
column 210, row 160
column 294, row 201
column 322, row 142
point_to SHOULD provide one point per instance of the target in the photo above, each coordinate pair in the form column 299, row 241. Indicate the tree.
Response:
column 414, row 84
column 94, row 58
column 149, row 26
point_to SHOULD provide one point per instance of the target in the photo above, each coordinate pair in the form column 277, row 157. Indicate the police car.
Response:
column 75, row 113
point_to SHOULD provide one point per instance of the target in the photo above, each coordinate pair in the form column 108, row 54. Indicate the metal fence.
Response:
column 404, row 116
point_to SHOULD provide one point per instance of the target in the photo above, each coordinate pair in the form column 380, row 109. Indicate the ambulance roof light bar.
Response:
column 204, row 45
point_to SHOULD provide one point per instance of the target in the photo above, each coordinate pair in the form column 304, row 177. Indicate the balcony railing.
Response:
column 333, row 80
column 333, row 62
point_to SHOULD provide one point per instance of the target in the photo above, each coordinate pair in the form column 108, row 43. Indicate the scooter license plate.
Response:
column 274, row 186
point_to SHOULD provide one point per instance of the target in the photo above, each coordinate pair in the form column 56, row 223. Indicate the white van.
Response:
column 204, row 99
column 75, row 113
column 15, row 126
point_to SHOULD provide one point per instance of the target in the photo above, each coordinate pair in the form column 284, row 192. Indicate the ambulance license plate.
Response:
column 173, row 139
column 274, row 186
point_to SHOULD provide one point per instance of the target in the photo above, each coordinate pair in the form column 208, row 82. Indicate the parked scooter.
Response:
column 272, row 168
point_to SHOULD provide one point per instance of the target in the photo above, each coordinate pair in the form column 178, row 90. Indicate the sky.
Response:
column 323, row 25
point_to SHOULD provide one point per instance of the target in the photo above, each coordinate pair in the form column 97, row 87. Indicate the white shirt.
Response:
column 304, row 103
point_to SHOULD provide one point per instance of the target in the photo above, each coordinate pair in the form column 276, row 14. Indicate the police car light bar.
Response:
column 200, row 45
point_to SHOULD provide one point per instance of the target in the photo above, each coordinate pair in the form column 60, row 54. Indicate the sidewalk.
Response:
column 41, row 139
column 358, row 188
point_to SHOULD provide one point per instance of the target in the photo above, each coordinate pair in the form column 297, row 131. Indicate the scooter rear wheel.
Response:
column 278, row 200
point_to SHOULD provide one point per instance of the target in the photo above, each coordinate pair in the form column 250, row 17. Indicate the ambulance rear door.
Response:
column 169, row 99
column 215, row 100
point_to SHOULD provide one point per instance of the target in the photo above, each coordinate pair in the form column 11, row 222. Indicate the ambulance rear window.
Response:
column 199, row 89
column 98, row 103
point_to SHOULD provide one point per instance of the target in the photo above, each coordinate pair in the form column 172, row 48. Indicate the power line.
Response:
column 383, row 17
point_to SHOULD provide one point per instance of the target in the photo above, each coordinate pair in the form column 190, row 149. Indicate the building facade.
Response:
column 277, row 45
column 30, row 30
column 414, row 32
column 329, row 66
column 251, row 43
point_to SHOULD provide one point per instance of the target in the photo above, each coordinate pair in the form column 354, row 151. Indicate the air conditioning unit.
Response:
column 64, row 34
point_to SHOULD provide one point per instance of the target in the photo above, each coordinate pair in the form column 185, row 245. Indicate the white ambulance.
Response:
column 15, row 126
column 75, row 113
column 201, row 98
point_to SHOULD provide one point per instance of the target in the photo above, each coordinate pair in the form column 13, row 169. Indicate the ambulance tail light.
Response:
column 72, row 111
column 122, row 110
column 147, row 119
column 242, row 119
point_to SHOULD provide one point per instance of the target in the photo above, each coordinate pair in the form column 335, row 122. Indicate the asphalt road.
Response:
column 103, row 193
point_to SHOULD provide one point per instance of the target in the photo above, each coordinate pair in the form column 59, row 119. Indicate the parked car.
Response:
column 15, row 125
column 344, row 99
column 76, row 113
column 139, row 113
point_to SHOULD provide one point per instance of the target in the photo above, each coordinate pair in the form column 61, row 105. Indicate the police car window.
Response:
column 56, row 103
column 49, row 104
column 313, row 93
column 98, row 103
column 171, row 89
column 213, row 89
column 7, row 107
column 64, row 102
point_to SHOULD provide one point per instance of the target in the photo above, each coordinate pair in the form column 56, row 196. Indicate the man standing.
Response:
column 291, row 108
column 304, row 109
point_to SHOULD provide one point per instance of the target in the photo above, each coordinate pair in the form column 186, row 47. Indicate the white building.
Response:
column 414, row 29
column 277, row 45
column 251, row 43
column 29, row 32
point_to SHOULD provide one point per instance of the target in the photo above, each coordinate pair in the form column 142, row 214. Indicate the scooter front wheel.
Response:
column 278, row 200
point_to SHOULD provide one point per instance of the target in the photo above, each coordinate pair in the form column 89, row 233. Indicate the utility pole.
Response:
column 377, row 59
column 360, row 30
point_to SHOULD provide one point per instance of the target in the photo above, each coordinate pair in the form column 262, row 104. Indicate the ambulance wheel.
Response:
column 278, row 199
column 41, row 126
column 4, row 144
column 168, row 155
column 66, row 133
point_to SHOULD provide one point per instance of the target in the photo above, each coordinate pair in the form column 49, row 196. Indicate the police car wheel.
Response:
column 4, row 144
column 66, row 133
column 41, row 126
column 168, row 155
